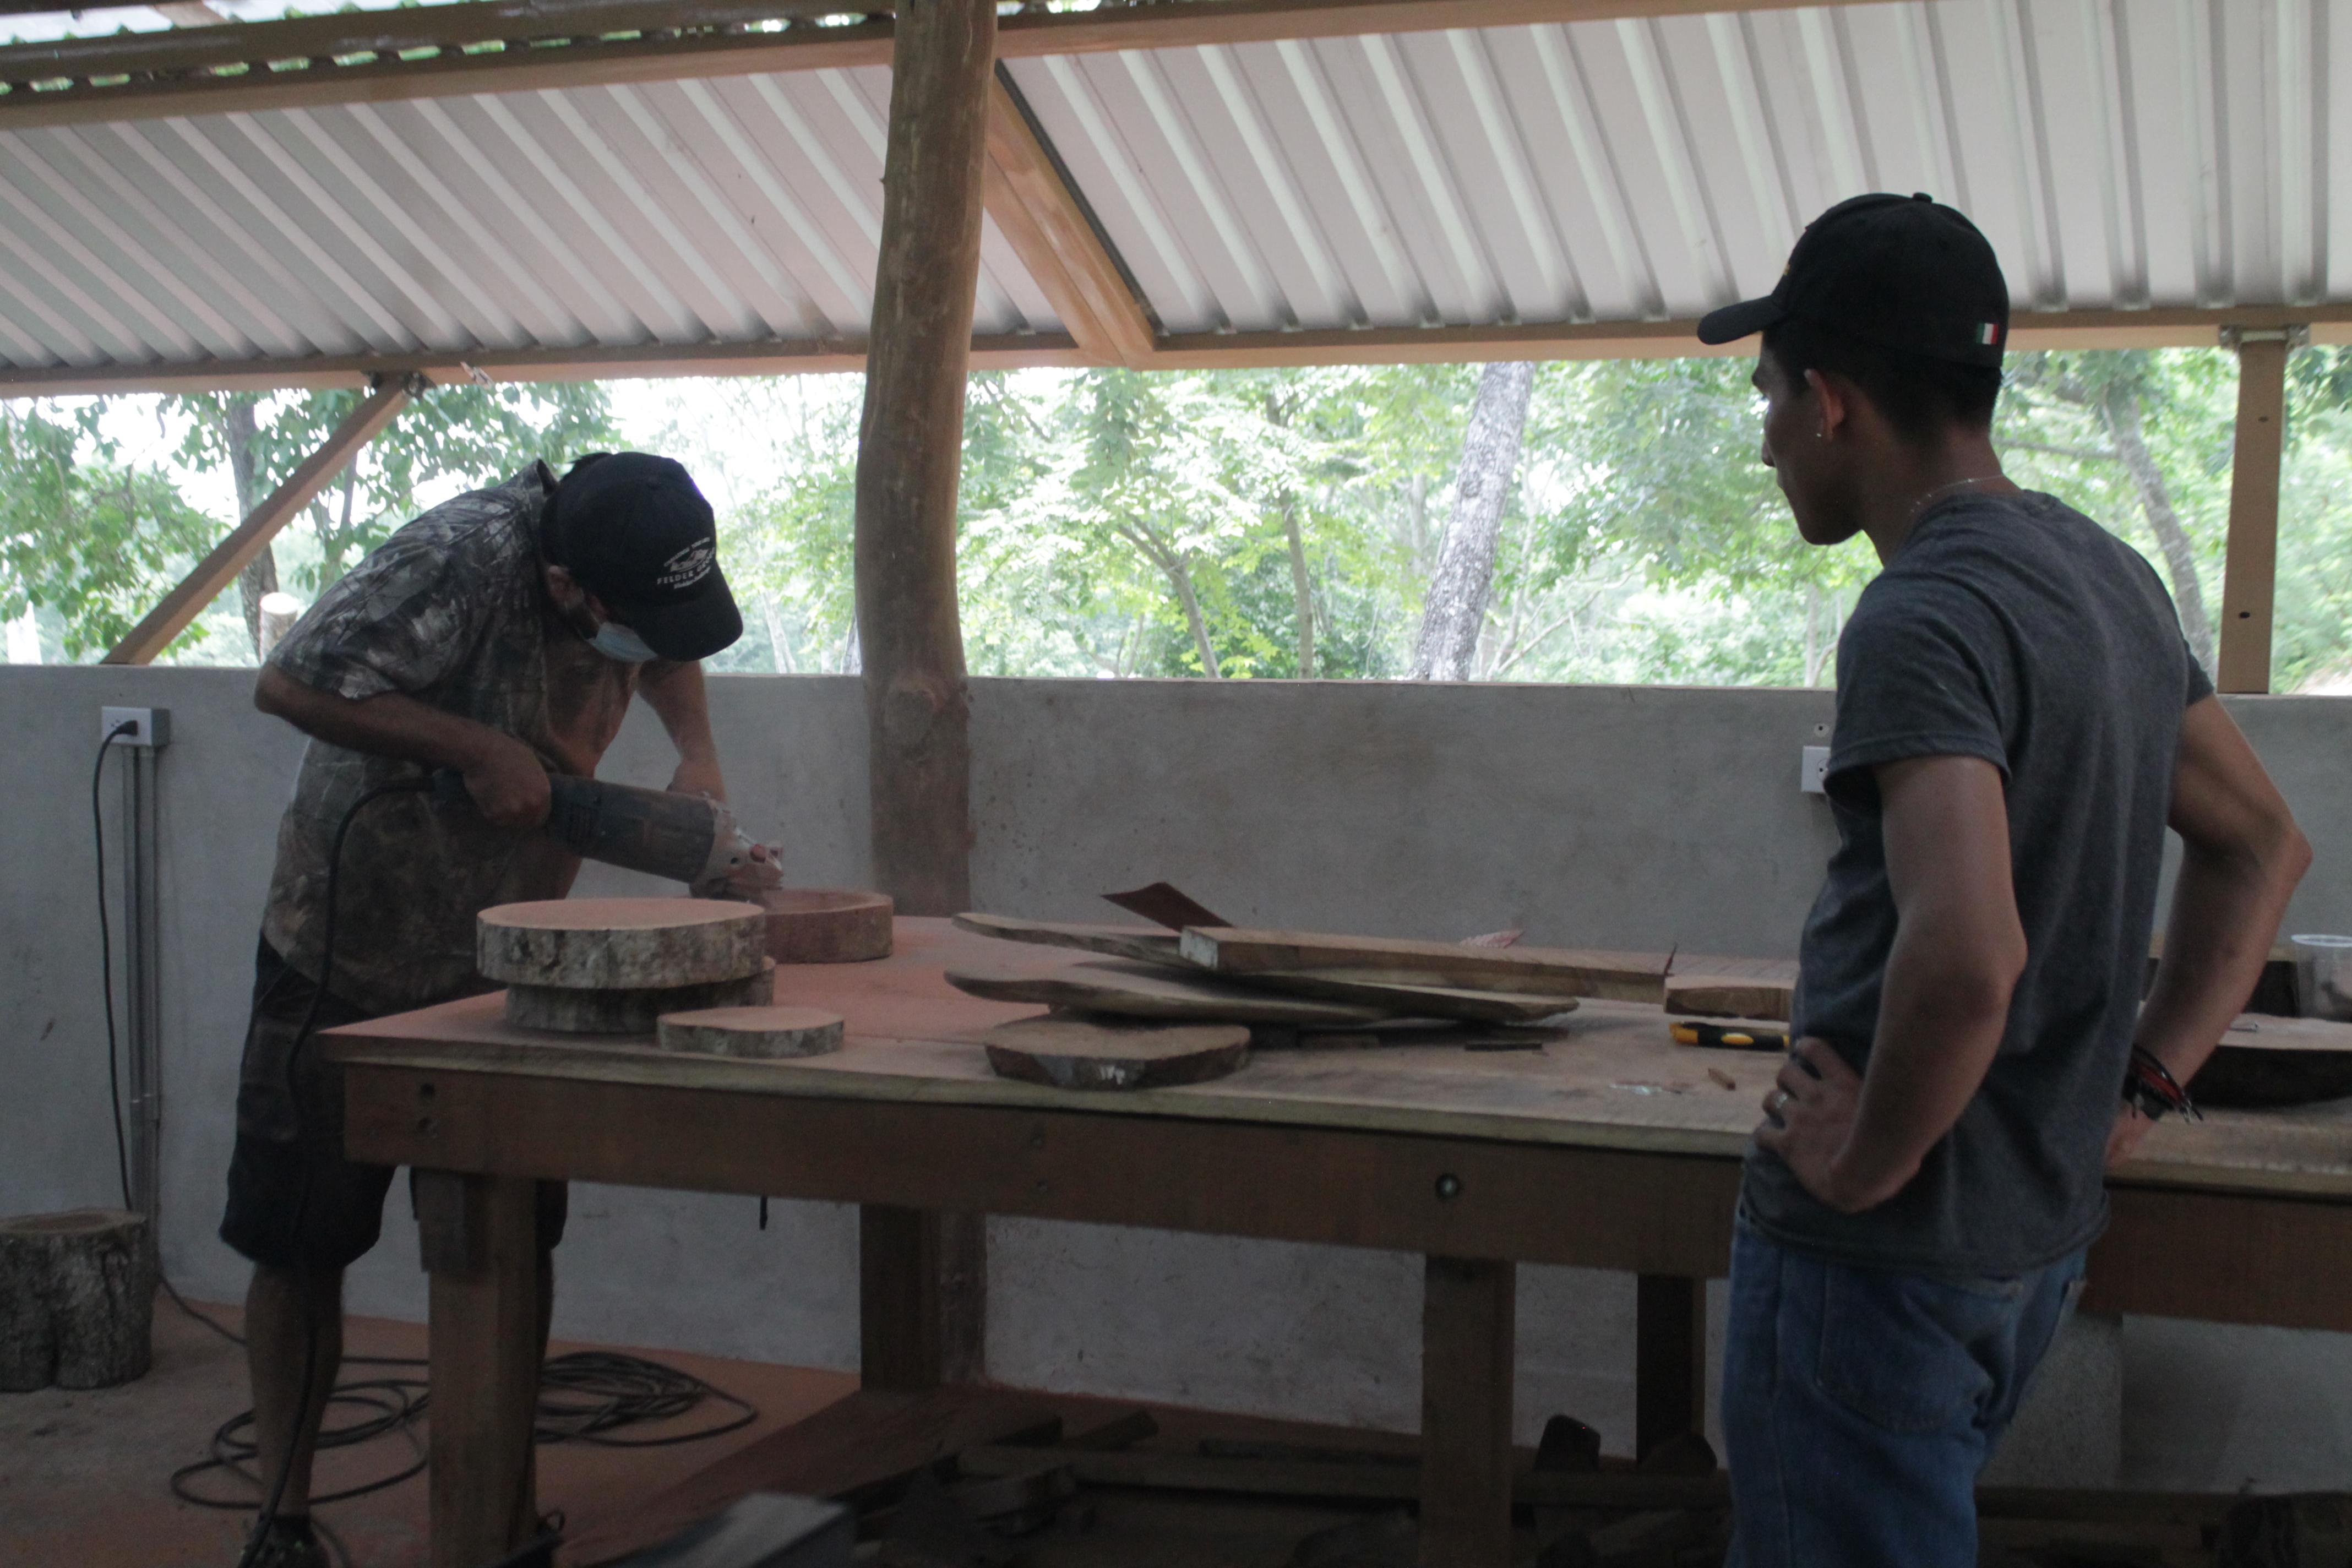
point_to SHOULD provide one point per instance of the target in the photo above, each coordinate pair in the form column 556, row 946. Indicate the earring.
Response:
column 1823, row 434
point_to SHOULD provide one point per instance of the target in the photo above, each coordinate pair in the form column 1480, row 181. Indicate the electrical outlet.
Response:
column 149, row 727
column 1813, row 769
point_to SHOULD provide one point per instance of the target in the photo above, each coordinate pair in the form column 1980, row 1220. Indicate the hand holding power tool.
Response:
column 689, row 838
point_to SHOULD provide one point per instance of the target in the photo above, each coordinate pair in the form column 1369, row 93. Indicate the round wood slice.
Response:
column 621, row 945
column 826, row 925
column 76, row 1299
column 579, row 1010
column 763, row 1032
column 1095, row 1053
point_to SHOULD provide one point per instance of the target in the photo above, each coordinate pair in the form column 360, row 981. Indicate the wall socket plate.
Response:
column 153, row 726
column 1812, row 770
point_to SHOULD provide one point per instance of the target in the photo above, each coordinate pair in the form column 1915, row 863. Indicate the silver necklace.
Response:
column 1940, row 491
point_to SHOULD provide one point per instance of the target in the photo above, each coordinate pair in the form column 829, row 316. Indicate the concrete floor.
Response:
column 83, row 1475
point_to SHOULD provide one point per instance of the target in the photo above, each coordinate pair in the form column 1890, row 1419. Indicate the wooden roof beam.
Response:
column 1042, row 218
column 554, row 43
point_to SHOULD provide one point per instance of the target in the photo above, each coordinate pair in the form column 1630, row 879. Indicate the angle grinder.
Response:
column 690, row 838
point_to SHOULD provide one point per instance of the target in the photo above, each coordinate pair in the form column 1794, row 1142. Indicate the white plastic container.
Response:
column 2323, row 976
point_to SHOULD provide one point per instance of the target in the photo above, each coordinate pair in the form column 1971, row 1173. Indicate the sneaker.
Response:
column 291, row 1544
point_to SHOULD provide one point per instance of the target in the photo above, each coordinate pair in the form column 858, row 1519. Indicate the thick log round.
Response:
column 569, row 1010
column 77, row 1299
column 826, row 925
column 766, row 1033
column 621, row 945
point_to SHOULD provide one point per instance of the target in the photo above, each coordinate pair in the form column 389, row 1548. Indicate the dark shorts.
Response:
column 293, row 1199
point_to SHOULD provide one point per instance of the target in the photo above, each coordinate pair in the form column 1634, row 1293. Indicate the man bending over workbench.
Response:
column 2017, row 720
column 500, row 634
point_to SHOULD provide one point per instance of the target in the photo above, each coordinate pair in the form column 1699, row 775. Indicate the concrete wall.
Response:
column 1603, row 815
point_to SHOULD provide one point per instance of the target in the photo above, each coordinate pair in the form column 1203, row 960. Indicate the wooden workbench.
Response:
column 1611, row 1149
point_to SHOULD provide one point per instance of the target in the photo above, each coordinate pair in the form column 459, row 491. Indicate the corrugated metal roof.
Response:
column 2118, row 152
column 726, row 210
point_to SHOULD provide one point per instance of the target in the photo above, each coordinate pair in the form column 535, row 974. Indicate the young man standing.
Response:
column 2018, row 721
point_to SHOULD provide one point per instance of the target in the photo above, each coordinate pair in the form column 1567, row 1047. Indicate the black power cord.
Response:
column 586, row 1396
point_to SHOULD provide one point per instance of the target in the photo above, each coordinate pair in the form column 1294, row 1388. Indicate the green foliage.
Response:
column 1113, row 524
column 81, row 534
column 452, row 439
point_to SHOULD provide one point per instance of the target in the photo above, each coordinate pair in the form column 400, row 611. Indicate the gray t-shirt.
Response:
column 2015, row 629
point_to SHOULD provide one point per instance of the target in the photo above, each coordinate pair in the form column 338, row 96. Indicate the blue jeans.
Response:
column 1859, row 1404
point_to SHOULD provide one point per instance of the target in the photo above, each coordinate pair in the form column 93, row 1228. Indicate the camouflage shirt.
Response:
column 453, row 612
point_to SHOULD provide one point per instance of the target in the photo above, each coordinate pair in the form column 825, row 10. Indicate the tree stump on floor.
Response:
column 77, row 1299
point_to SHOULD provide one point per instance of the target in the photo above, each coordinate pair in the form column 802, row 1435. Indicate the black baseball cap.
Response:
column 1902, row 272
column 638, row 535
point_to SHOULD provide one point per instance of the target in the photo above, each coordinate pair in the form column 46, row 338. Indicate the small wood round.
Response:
column 1096, row 1052
column 77, row 1299
column 763, row 1032
column 621, row 945
column 827, row 925
column 568, row 1010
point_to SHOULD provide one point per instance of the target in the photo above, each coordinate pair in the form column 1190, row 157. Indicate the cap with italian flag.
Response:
column 1906, row 273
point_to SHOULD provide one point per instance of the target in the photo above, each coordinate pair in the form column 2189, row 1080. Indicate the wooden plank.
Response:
column 1377, row 1475
column 1146, row 944
column 1467, row 1318
column 1418, row 1001
column 1074, row 1053
column 1142, row 991
column 2224, row 1257
column 1458, row 1197
column 1559, row 971
column 233, row 554
column 1669, row 1359
column 2250, row 574
column 870, row 1438
column 1378, row 345
column 1042, row 219
column 587, row 363
column 485, row 1367
column 1729, row 997
column 911, row 454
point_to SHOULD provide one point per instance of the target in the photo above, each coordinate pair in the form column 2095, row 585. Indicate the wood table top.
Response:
column 1611, row 1078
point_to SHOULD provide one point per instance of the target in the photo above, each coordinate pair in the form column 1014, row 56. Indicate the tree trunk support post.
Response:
column 1468, row 1315
column 922, row 1276
column 1669, row 1359
column 910, row 451
column 480, row 1240
column 2250, row 572
column 246, row 541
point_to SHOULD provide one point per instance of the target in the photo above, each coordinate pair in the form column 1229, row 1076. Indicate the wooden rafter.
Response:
column 1039, row 216
column 1190, row 350
column 517, row 45
column 233, row 554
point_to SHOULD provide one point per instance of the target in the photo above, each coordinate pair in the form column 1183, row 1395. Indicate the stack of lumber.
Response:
column 975, row 1478
column 1137, row 1006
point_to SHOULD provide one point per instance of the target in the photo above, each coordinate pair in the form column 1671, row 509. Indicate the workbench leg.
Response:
column 1467, row 1312
column 1669, row 1359
column 479, row 1237
column 923, row 1297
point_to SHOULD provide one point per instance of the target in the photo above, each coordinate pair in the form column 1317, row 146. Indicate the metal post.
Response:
column 143, row 1007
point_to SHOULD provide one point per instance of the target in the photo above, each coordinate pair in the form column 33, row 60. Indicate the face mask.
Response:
column 616, row 641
